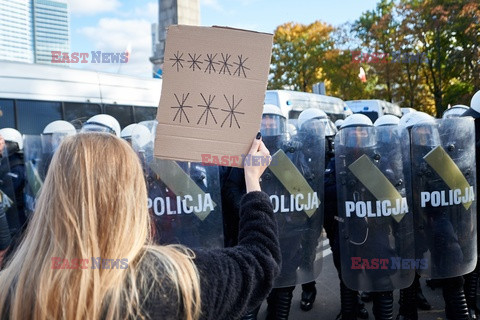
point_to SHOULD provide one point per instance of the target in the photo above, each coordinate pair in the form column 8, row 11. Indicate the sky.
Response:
column 114, row 25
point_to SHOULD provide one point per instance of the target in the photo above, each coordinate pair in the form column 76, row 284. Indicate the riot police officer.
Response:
column 52, row 136
column 14, row 148
column 5, row 237
column 274, row 134
column 373, row 214
column 137, row 134
column 102, row 123
column 307, row 126
column 471, row 279
column 443, row 234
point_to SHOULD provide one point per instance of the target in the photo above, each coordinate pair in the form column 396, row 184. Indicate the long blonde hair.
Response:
column 93, row 204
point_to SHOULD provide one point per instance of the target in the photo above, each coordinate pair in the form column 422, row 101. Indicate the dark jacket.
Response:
column 232, row 280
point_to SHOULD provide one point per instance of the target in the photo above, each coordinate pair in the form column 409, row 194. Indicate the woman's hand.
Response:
column 255, row 164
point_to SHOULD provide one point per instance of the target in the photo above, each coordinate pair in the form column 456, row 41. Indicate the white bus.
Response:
column 33, row 95
column 374, row 108
column 293, row 102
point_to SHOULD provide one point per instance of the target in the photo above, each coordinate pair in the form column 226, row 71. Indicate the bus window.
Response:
column 7, row 114
column 373, row 115
column 145, row 113
column 293, row 114
column 123, row 114
column 33, row 116
column 335, row 116
column 78, row 113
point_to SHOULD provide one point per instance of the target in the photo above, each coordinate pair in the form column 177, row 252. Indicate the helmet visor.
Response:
column 273, row 125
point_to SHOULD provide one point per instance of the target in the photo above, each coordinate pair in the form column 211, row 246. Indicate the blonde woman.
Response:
column 93, row 205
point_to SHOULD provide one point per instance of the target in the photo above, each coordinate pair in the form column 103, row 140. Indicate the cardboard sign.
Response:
column 214, row 82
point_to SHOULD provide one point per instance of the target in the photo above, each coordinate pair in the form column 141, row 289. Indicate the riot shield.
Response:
column 294, row 182
column 444, row 196
column 377, row 247
column 32, row 148
column 183, row 199
column 8, row 205
column 38, row 154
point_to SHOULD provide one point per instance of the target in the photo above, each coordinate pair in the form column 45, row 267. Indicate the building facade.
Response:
column 31, row 29
column 171, row 12
column 16, row 40
column 50, row 28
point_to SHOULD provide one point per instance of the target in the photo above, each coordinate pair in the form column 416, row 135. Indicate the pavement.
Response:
column 327, row 303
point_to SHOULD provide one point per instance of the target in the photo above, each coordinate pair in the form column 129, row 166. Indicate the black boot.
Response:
column 470, row 289
column 309, row 293
column 251, row 315
column 408, row 305
column 349, row 303
column 362, row 313
column 383, row 305
column 279, row 301
column 422, row 302
column 455, row 302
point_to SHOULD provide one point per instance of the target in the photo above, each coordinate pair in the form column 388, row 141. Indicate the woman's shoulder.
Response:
column 158, row 294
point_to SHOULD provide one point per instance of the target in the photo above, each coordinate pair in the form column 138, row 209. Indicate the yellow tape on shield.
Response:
column 179, row 182
column 375, row 181
column 288, row 174
column 447, row 169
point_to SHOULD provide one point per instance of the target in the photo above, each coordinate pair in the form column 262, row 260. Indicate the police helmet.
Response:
column 338, row 123
column 102, row 123
column 12, row 135
column 292, row 129
column 309, row 114
column 456, row 111
column 274, row 123
column 412, row 118
column 59, row 126
column 137, row 134
column 387, row 120
column 356, row 120
column 475, row 102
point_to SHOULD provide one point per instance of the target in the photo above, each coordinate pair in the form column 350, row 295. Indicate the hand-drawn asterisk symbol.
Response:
column 195, row 61
column 225, row 64
column 241, row 66
column 231, row 112
column 208, row 108
column 178, row 60
column 180, row 107
column 210, row 65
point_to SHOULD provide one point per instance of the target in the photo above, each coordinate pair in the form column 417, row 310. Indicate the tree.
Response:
column 376, row 29
column 447, row 33
column 298, row 55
